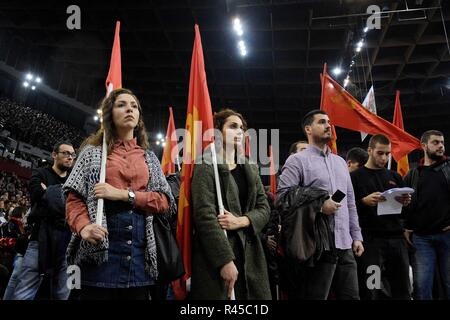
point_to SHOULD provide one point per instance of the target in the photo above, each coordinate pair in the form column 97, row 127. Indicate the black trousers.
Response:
column 390, row 255
column 314, row 283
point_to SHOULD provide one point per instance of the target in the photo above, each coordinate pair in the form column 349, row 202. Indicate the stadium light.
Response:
column 237, row 26
column 337, row 71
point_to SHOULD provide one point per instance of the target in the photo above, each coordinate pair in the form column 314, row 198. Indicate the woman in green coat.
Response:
column 220, row 264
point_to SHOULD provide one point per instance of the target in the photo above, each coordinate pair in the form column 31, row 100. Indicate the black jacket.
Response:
column 43, row 206
column 305, row 232
column 48, row 217
column 429, row 211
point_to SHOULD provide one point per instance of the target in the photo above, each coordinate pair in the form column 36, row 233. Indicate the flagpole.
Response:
column 178, row 162
column 99, row 216
column 323, row 84
column 219, row 193
column 100, row 202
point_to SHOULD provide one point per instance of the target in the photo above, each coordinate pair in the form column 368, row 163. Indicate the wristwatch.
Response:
column 131, row 197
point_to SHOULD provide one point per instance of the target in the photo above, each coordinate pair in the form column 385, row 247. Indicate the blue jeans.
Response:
column 30, row 279
column 12, row 284
column 125, row 267
column 430, row 250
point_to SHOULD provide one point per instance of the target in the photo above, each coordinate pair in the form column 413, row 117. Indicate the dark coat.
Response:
column 305, row 232
column 211, row 249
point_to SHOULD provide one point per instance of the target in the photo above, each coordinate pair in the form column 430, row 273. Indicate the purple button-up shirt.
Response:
column 314, row 168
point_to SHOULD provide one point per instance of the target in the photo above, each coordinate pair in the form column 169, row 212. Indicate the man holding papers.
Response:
column 382, row 231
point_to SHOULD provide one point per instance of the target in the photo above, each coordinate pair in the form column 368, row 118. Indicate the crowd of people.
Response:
column 35, row 127
column 14, row 203
column 325, row 234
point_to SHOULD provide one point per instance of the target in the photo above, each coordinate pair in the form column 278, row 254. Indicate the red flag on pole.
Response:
column 273, row 176
column 332, row 144
column 114, row 78
column 402, row 164
column 247, row 145
column 346, row 112
column 199, row 110
column 113, row 81
column 170, row 153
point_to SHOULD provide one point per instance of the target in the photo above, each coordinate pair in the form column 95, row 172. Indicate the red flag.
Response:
column 273, row 177
column 346, row 112
column 247, row 145
column 114, row 78
column 332, row 144
column 402, row 164
column 199, row 109
column 170, row 153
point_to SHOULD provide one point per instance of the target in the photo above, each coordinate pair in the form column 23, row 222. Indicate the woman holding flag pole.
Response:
column 116, row 255
column 231, row 263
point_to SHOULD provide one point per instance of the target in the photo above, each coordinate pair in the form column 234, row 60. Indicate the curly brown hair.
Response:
column 106, row 106
column 221, row 117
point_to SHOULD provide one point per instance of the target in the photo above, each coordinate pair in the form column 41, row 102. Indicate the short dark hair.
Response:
column 308, row 119
column 427, row 134
column 59, row 143
column 378, row 138
column 293, row 147
column 358, row 155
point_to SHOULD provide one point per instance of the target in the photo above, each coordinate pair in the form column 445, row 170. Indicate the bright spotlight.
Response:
column 337, row 71
column 38, row 80
column 159, row 136
column 366, row 29
column 26, row 84
column 157, row 143
column 33, row 87
column 360, row 44
column 95, row 118
column 29, row 76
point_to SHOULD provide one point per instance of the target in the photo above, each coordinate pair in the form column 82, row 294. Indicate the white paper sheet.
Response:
column 392, row 206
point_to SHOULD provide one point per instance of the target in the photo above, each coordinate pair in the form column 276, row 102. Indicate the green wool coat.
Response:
column 211, row 249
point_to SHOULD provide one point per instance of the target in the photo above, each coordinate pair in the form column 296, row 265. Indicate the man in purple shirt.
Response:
column 317, row 167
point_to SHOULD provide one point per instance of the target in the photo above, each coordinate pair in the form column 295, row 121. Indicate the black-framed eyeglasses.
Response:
column 67, row 154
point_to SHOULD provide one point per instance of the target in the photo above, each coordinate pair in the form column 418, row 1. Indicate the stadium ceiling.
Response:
column 274, row 85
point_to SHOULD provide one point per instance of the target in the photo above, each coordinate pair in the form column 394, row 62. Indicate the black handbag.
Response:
column 170, row 262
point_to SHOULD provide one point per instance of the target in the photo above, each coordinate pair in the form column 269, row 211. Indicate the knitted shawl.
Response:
column 84, row 176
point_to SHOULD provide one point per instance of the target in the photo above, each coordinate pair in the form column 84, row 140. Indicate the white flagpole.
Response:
column 219, row 193
column 178, row 163
column 100, row 202
column 390, row 162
